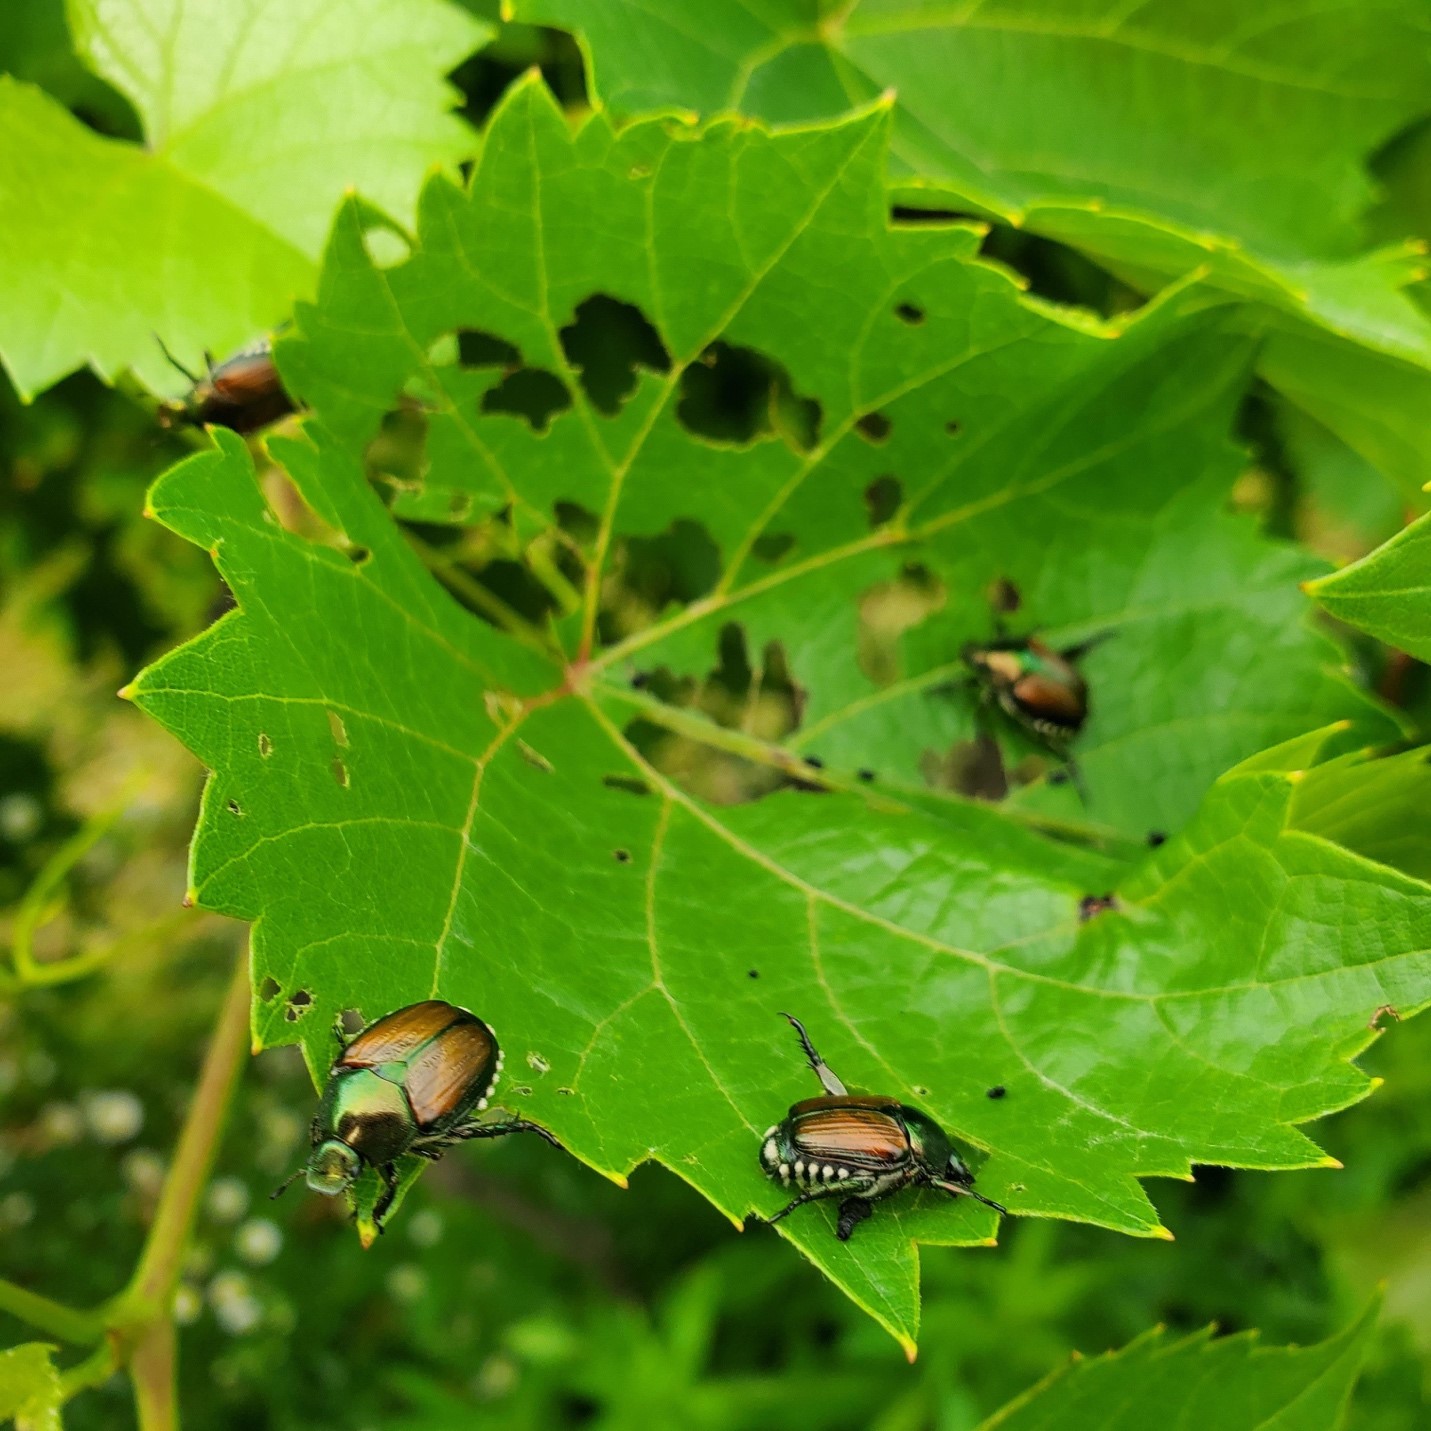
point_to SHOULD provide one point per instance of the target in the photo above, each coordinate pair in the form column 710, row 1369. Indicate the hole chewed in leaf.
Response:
column 1057, row 273
column 235, row 809
column 299, row 1003
column 883, row 497
column 340, row 773
column 648, row 574
column 772, row 546
column 953, row 427
column 889, row 609
column 738, row 395
column 265, row 745
column 606, row 343
column 359, row 556
column 532, row 394
column 758, row 700
column 973, row 768
column 909, row 313
column 622, row 857
column 476, row 349
column 874, row 427
column 269, row 990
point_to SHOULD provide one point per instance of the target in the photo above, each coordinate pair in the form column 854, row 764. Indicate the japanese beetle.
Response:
column 244, row 392
column 858, row 1146
column 411, row 1082
column 1039, row 688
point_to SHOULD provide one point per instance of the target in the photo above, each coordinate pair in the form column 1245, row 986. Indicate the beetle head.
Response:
column 332, row 1167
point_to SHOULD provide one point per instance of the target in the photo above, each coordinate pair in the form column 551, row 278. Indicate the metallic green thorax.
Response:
column 367, row 1109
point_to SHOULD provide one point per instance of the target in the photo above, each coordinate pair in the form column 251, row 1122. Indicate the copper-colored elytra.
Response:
column 246, row 377
column 849, row 1130
column 393, row 1039
column 1053, row 700
column 441, row 1074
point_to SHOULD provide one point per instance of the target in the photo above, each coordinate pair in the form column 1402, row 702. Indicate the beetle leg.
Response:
column 853, row 1211
column 829, row 1081
column 390, row 1180
column 339, row 1032
column 498, row 1130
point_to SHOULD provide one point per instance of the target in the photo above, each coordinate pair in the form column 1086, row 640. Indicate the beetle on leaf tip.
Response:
column 858, row 1146
column 244, row 392
column 413, row 1081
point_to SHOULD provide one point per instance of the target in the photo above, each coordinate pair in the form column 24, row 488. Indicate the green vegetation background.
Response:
column 519, row 1283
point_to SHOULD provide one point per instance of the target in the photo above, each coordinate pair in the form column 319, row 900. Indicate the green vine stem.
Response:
column 44, row 899
column 136, row 1328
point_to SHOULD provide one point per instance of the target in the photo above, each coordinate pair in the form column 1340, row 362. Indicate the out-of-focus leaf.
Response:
column 30, row 1387
column 1162, row 140
column 1387, row 593
column 257, row 117
column 1232, row 1383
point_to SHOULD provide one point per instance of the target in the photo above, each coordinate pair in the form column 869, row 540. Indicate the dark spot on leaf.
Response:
column 953, row 427
column 922, row 1092
column 622, row 857
column 973, row 768
column 629, row 783
column 772, row 546
column 476, row 349
column 1058, row 777
column 815, row 761
column 265, row 745
column 874, row 427
column 359, row 555
column 639, row 680
column 269, row 989
column 997, row 1091
column 459, row 506
column 866, row 775
column 606, row 343
column 752, row 973
column 1092, row 905
column 235, row 808
column 883, row 497
column 737, row 395
column 532, row 394
column 1004, row 597
column 909, row 313
column 340, row 773
column 534, row 758
column 1156, row 838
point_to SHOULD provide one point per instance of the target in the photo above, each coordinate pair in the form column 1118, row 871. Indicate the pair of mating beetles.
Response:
column 417, row 1081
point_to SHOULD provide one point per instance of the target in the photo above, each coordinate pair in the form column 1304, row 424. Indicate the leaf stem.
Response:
column 69, row 1324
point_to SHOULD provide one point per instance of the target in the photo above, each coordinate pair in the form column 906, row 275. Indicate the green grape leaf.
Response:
column 1161, row 140
column 1387, row 592
column 257, row 118
column 30, row 1387
column 1232, row 1383
column 409, row 801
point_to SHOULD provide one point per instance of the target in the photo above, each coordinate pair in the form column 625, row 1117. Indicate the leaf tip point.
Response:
column 1163, row 1234
column 910, row 1347
column 126, row 692
column 1330, row 1162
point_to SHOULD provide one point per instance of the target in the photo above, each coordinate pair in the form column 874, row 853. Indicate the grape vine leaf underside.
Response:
column 1159, row 139
column 409, row 801
column 1229, row 1382
column 257, row 115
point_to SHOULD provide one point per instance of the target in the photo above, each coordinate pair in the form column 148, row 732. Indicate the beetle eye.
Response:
column 332, row 1168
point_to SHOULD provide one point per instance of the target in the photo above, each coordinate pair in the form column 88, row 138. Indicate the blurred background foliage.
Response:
column 517, row 1283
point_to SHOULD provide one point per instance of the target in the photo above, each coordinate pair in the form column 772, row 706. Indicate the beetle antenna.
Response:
column 959, row 1190
column 829, row 1081
column 164, row 348
column 287, row 1183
